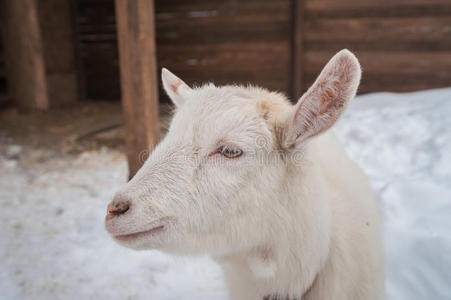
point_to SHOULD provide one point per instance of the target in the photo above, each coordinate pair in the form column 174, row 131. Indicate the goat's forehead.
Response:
column 214, row 106
column 214, row 111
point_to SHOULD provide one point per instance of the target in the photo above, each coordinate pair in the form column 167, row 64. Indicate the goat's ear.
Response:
column 323, row 104
column 176, row 89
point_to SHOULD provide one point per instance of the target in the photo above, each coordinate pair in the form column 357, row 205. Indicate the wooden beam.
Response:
column 139, row 88
column 297, row 53
column 59, row 55
column 40, row 67
column 24, row 55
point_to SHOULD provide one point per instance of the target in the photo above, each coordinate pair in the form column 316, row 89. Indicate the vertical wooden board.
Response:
column 136, row 37
column 24, row 56
column 96, row 39
column 59, row 57
column 3, row 88
column 297, row 51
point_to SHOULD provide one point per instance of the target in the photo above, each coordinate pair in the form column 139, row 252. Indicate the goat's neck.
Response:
column 296, row 248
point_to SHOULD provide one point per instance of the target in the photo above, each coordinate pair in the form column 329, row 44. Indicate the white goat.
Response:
column 258, row 183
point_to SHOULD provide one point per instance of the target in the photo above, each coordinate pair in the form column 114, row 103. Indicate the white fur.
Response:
column 292, row 216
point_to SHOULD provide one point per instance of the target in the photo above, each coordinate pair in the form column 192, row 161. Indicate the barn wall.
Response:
column 403, row 45
column 97, row 53
column 58, row 50
column 226, row 41
column 200, row 40
column 3, row 85
column 3, row 90
column 37, row 54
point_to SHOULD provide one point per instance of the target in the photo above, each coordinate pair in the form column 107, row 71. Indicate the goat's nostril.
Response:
column 118, row 208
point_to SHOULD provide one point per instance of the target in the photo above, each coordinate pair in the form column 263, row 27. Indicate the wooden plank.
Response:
column 382, row 8
column 378, row 82
column 219, row 33
column 242, row 57
column 136, row 36
column 59, row 57
column 81, row 84
column 263, row 64
column 411, row 82
column 297, row 50
column 276, row 82
column 235, row 37
column 382, row 45
column 218, row 7
column 425, row 29
column 24, row 54
column 391, row 71
column 3, row 90
column 226, row 41
column 333, row 4
column 100, row 72
column 389, row 62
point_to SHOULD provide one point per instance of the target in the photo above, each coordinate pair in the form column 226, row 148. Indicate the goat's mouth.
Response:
column 136, row 235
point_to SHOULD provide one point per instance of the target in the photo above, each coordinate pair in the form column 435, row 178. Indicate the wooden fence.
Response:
column 403, row 45
column 3, row 92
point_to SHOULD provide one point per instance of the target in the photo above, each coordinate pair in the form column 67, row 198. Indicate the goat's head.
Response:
column 214, row 180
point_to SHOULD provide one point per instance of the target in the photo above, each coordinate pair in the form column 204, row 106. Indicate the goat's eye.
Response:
column 230, row 152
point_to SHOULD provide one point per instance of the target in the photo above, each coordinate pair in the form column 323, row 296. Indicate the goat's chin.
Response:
column 141, row 244
column 164, row 240
column 144, row 243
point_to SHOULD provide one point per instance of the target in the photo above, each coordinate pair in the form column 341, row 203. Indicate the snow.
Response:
column 53, row 244
column 403, row 142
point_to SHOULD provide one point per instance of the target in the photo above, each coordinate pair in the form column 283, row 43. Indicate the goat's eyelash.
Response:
column 230, row 152
column 227, row 151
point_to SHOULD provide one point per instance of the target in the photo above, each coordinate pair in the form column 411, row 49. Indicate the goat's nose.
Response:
column 116, row 208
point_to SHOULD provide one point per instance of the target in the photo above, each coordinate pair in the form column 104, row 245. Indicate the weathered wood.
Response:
column 391, row 71
column 97, row 45
column 332, row 4
column 59, row 57
column 3, row 90
column 402, row 45
column 25, row 66
column 297, row 50
column 252, row 41
column 136, row 36
column 379, row 34
column 218, row 38
column 250, row 57
column 426, row 29
column 382, row 8
column 385, row 82
column 203, row 8
column 226, row 41
column 409, row 62
column 40, row 64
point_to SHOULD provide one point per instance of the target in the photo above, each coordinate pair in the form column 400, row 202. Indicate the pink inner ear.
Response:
column 327, row 99
column 333, row 94
column 175, row 86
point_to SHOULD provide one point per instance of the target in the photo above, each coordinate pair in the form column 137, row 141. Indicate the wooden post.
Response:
column 39, row 56
column 24, row 55
column 136, row 37
column 297, row 53
column 59, row 56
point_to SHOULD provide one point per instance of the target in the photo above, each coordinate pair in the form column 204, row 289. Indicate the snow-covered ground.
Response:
column 53, row 245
